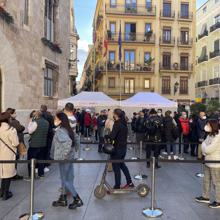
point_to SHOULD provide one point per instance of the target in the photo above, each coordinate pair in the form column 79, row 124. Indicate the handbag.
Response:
column 8, row 147
column 108, row 148
column 22, row 150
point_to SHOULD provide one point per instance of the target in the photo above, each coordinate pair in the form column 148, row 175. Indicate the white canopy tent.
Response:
column 148, row 100
column 90, row 100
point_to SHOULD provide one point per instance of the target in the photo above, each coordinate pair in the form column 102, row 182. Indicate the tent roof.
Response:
column 89, row 99
column 148, row 100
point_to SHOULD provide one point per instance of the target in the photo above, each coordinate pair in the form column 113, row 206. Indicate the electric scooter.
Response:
column 101, row 190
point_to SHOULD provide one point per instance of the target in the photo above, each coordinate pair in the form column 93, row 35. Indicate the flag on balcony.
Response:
column 119, row 44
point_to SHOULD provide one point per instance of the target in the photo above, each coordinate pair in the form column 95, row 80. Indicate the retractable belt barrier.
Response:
column 151, row 212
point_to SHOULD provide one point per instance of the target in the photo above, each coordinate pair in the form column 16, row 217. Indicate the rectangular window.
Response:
column 167, row 61
column 113, row 3
column 148, row 27
column 129, row 86
column 49, row 20
column 113, row 27
column 216, row 45
column 217, row 19
column 147, row 56
column 111, row 82
column 166, row 85
column 26, row 12
column 147, row 84
column 184, row 62
column 129, row 59
column 112, row 57
column 149, row 4
column 48, row 82
column 166, row 9
column 184, row 10
column 184, row 36
column 130, row 31
column 184, row 85
column 216, row 73
column 167, row 35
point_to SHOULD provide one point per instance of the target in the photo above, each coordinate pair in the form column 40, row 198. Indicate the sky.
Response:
column 84, row 12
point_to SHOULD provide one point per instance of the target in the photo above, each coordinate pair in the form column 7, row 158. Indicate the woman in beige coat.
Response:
column 8, row 149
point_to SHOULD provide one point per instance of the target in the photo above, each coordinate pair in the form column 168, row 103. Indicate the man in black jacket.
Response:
column 140, row 127
column 101, row 127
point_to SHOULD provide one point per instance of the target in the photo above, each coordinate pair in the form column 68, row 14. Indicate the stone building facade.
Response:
column 34, row 53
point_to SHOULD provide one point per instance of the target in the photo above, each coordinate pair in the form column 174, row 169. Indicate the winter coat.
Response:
column 168, row 129
column 87, row 120
column 19, row 128
column 200, row 128
column 193, row 135
column 211, row 150
column 10, row 137
column 184, row 123
column 140, row 125
column 101, row 124
column 62, row 145
column 94, row 123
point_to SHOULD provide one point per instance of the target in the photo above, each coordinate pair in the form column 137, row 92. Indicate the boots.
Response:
column 5, row 193
column 77, row 202
column 62, row 201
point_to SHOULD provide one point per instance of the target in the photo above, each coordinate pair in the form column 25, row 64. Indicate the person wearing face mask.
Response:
column 185, row 129
column 20, row 129
column 62, row 149
column 140, row 127
column 211, row 151
column 119, row 136
column 201, row 132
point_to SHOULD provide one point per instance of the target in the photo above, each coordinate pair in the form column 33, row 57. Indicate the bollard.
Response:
column 152, row 212
column 140, row 176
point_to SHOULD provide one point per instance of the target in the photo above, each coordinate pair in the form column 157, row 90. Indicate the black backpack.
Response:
column 153, row 130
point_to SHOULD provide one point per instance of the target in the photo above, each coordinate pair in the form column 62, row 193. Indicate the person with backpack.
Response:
column 62, row 149
column 153, row 136
column 185, row 129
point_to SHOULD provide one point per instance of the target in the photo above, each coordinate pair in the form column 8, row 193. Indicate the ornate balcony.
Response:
column 167, row 15
column 215, row 81
column 185, row 43
column 214, row 54
column 215, row 27
column 167, row 42
column 202, row 84
column 202, row 59
column 204, row 34
column 177, row 67
column 131, row 10
column 187, row 17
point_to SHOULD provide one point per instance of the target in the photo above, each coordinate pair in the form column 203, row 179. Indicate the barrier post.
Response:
column 152, row 212
column 79, row 153
column 140, row 176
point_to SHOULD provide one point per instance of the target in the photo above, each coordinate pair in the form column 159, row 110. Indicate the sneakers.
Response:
column 46, row 170
column 201, row 199
column 76, row 203
column 214, row 205
column 128, row 186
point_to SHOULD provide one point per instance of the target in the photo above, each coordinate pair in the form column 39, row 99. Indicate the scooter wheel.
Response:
column 100, row 192
column 143, row 190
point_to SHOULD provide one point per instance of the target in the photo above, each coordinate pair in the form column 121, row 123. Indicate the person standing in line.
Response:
column 201, row 134
column 38, row 129
column 140, row 127
column 133, row 122
column 193, row 136
column 211, row 151
column 87, row 123
column 94, row 127
column 119, row 136
column 49, row 118
column 185, row 129
column 69, row 111
column 20, row 129
column 8, row 149
column 62, row 149
column 101, row 128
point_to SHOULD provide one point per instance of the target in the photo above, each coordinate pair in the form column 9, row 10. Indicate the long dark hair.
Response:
column 214, row 125
column 65, row 124
column 4, row 118
column 121, row 115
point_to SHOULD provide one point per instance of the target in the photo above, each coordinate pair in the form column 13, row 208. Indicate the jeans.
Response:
column 39, row 154
column 171, row 148
column 117, row 167
column 185, row 143
column 155, row 148
column 67, row 177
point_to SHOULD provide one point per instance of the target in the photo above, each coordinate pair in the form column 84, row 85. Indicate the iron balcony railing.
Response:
column 205, row 33
column 167, row 14
column 214, row 54
column 167, row 41
column 215, row 27
column 132, row 37
column 186, row 17
column 202, row 59
column 112, row 67
column 130, row 9
column 177, row 66
column 215, row 81
column 184, row 42
column 202, row 83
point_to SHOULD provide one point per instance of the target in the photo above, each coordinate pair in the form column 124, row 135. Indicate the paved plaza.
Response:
column 176, row 187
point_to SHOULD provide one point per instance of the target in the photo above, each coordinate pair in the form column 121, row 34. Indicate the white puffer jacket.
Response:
column 211, row 150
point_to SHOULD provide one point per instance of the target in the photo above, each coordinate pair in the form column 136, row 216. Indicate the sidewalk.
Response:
column 176, row 187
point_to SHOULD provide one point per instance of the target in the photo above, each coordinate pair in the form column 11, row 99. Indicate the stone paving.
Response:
column 176, row 187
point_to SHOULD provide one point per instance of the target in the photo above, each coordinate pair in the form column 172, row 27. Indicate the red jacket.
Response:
column 185, row 127
column 87, row 119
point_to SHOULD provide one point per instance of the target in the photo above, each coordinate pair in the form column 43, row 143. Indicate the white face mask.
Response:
column 208, row 129
column 184, row 116
column 204, row 117
column 159, row 113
